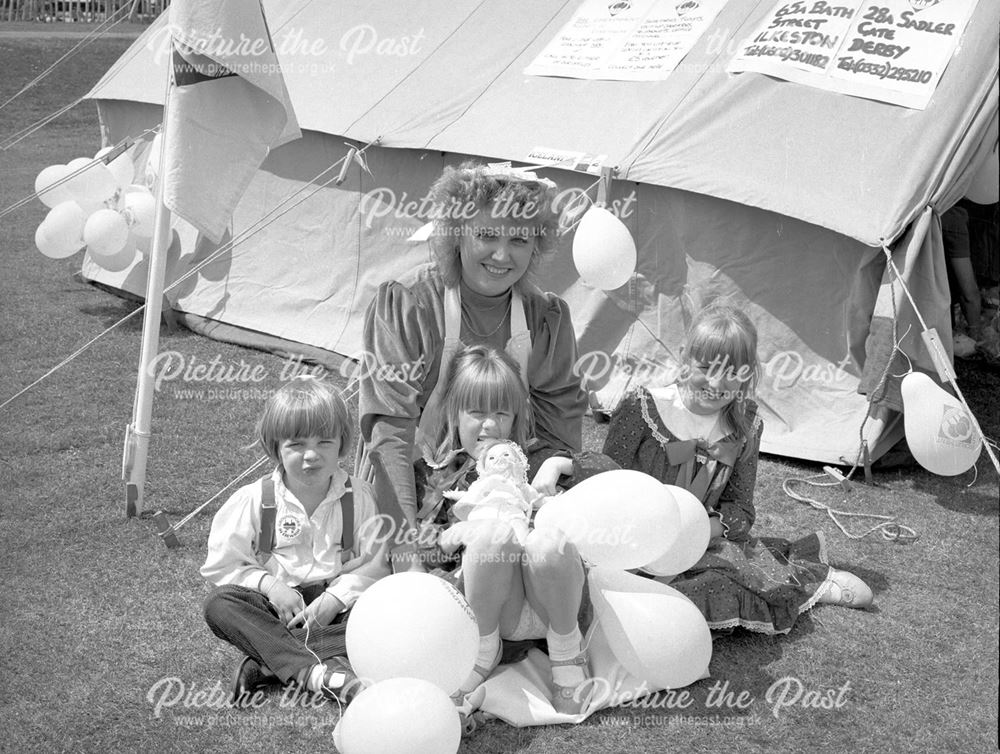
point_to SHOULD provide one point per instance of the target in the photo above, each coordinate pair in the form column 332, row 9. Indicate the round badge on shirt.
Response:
column 289, row 527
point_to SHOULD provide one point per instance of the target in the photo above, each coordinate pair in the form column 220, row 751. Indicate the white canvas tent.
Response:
column 775, row 195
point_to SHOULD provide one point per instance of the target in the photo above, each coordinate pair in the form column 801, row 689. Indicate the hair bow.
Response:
column 506, row 170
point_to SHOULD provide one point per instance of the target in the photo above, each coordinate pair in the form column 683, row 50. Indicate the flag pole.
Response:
column 137, row 433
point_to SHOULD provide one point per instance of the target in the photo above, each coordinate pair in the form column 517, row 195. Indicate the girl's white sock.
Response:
column 565, row 647
column 488, row 646
column 314, row 682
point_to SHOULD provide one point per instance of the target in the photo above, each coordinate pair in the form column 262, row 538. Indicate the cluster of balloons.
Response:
column 94, row 204
column 603, row 250
column 414, row 639
column 621, row 520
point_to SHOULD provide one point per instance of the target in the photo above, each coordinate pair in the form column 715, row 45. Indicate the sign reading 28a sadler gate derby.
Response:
column 888, row 50
column 625, row 40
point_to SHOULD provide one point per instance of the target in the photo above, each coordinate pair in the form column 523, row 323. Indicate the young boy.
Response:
column 290, row 554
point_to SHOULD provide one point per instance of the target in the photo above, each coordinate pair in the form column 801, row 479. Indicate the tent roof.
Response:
column 448, row 76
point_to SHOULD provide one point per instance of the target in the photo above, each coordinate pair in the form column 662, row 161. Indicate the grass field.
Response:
column 97, row 612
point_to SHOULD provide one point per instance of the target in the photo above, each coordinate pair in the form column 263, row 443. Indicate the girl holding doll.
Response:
column 520, row 585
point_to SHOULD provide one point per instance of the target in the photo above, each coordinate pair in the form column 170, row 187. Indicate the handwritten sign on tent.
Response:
column 888, row 50
column 625, row 40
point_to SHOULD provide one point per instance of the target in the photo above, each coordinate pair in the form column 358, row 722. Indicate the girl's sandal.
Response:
column 470, row 696
column 471, row 722
column 567, row 700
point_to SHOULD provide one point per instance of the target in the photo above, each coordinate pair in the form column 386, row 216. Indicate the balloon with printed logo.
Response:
column 414, row 625
column 49, row 186
column 121, row 167
column 939, row 431
column 399, row 716
column 139, row 208
column 655, row 632
column 603, row 250
column 93, row 183
column 60, row 234
column 694, row 532
column 105, row 233
column 618, row 519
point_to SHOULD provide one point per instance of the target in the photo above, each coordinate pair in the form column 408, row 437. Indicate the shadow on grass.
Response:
column 980, row 500
column 111, row 312
column 877, row 580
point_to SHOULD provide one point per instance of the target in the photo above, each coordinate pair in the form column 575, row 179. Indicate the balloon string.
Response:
column 890, row 529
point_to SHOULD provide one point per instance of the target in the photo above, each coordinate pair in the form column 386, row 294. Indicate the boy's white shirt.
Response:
column 307, row 549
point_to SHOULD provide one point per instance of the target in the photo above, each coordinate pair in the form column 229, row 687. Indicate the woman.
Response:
column 492, row 226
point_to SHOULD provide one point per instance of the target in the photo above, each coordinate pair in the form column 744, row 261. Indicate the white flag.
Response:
column 228, row 107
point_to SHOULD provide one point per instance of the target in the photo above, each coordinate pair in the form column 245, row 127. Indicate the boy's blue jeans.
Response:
column 246, row 619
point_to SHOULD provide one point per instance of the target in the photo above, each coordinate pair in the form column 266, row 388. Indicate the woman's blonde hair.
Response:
column 463, row 192
column 482, row 378
column 304, row 407
column 725, row 338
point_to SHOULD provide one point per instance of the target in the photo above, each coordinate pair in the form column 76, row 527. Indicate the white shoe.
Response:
column 844, row 588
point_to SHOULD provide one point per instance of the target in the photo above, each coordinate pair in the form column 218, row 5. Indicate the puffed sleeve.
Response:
column 736, row 508
column 402, row 356
column 621, row 444
column 557, row 396
column 231, row 556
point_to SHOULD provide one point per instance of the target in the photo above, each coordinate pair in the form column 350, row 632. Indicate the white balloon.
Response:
column 655, row 632
column 60, row 234
column 116, row 262
column 142, row 245
column 413, row 625
column 94, row 184
column 939, row 431
column 399, row 716
column 692, row 539
column 105, row 233
column 140, row 211
column 50, row 248
column 618, row 519
column 48, row 192
column 122, row 167
column 603, row 250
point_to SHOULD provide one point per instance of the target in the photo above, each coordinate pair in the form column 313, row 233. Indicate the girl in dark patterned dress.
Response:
column 702, row 433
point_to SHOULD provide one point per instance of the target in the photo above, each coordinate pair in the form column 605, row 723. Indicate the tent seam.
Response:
column 659, row 126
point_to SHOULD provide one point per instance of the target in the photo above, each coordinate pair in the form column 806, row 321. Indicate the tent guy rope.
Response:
column 941, row 359
column 105, row 26
column 255, row 227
